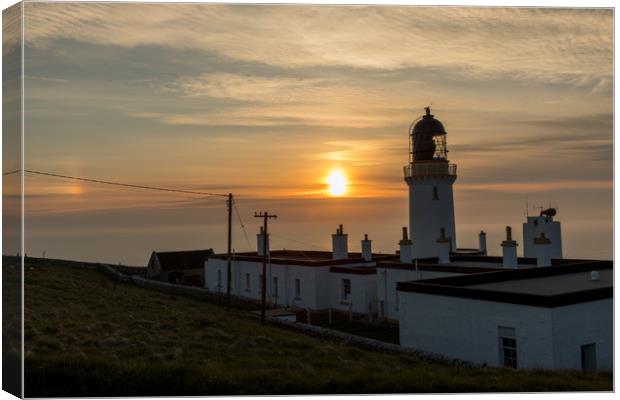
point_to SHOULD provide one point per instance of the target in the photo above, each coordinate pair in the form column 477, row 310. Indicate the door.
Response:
column 588, row 357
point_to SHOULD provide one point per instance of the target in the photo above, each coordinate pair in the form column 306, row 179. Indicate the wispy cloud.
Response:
column 547, row 45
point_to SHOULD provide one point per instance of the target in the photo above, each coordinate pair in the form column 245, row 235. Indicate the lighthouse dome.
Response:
column 428, row 124
column 428, row 140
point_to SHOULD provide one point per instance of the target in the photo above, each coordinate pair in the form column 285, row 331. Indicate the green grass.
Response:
column 11, row 326
column 87, row 335
column 386, row 332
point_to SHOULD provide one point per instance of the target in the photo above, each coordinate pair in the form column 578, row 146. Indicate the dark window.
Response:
column 248, row 287
column 346, row 289
column 435, row 193
column 507, row 347
column 588, row 357
column 176, row 277
column 275, row 287
column 297, row 288
column 219, row 278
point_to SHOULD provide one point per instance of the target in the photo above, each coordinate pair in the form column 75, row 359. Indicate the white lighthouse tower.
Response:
column 430, row 177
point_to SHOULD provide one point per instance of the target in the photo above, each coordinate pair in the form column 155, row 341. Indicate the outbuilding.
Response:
column 558, row 317
column 180, row 267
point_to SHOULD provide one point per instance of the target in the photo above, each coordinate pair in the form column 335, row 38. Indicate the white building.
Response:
column 315, row 280
column 536, row 311
column 555, row 318
column 544, row 223
column 389, row 273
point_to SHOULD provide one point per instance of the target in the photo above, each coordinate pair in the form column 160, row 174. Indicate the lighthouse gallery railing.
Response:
column 430, row 169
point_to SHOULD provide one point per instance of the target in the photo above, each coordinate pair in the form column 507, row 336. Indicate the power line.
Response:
column 299, row 241
column 11, row 172
column 245, row 233
column 161, row 189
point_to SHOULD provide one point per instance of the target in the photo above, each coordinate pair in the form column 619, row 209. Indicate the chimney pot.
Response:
column 366, row 248
column 340, row 247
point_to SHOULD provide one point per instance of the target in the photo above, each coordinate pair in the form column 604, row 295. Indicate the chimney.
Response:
column 366, row 248
column 339, row 244
column 260, row 239
column 406, row 256
column 509, row 250
column 482, row 242
column 543, row 254
column 445, row 245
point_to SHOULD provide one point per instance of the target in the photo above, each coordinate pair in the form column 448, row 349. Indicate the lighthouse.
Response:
column 430, row 177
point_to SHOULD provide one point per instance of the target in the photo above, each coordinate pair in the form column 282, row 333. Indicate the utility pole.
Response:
column 265, row 216
column 228, row 274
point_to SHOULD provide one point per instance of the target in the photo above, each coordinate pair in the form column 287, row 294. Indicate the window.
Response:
column 346, row 289
column 275, row 286
column 588, row 357
column 248, row 287
column 507, row 347
column 435, row 193
column 219, row 278
column 261, row 284
column 297, row 288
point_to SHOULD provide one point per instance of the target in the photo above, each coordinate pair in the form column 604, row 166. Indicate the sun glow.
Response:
column 337, row 183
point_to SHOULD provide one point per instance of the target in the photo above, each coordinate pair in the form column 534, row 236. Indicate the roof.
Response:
column 190, row 259
column 428, row 124
column 464, row 264
column 307, row 258
column 472, row 268
column 354, row 270
column 543, row 287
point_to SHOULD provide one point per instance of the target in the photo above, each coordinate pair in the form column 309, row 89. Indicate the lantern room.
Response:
column 427, row 140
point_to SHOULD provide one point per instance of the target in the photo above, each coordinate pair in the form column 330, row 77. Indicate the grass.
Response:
column 87, row 335
column 386, row 332
column 11, row 327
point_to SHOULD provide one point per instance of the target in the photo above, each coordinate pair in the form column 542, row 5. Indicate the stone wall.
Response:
column 305, row 329
column 362, row 342
column 190, row 291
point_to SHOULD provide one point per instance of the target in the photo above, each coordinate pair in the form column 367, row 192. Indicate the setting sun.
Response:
column 337, row 182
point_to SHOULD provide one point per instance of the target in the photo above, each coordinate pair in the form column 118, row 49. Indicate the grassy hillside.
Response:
column 87, row 335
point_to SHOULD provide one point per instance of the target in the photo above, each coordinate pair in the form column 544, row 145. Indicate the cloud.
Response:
column 545, row 45
column 247, row 87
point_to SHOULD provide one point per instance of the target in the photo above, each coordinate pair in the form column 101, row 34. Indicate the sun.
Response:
column 337, row 183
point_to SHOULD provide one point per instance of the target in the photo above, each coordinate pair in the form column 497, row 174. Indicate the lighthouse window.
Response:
column 435, row 193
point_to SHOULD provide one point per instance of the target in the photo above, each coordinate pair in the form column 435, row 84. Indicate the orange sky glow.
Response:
column 267, row 102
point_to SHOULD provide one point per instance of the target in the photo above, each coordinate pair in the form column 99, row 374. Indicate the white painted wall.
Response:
column 363, row 292
column 533, row 227
column 427, row 216
column 387, row 296
column 313, row 295
column 580, row 324
column 468, row 329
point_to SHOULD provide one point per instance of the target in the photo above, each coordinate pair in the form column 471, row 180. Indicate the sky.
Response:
column 267, row 101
